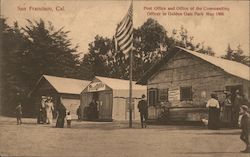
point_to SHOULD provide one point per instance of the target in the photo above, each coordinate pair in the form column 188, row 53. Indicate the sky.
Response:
column 85, row 19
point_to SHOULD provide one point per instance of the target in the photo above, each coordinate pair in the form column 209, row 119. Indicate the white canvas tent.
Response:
column 112, row 97
column 68, row 89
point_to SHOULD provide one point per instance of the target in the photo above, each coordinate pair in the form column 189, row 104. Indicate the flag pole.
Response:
column 130, row 88
column 130, row 76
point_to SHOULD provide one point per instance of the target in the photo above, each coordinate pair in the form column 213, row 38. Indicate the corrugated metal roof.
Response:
column 119, row 84
column 231, row 67
column 66, row 85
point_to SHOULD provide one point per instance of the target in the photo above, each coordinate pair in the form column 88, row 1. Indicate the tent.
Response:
column 112, row 98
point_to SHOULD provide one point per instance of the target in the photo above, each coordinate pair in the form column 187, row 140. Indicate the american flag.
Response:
column 124, row 32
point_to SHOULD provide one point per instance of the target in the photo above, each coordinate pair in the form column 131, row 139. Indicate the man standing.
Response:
column 143, row 109
column 93, row 115
column 238, row 102
column 244, row 127
column 78, row 112
column 19, row 113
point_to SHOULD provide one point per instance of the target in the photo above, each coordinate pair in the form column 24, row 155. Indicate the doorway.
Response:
column 233, row 89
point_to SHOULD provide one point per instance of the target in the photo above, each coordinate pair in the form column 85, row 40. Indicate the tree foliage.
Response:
column 236, row 55
column 151, row 42
column 28, row 53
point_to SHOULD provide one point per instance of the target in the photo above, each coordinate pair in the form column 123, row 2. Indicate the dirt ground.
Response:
column 114, row 139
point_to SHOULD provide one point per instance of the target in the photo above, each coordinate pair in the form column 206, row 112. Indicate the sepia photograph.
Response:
column 124, row 78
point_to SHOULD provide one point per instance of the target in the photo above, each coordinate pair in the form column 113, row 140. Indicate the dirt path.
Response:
column 97, row 139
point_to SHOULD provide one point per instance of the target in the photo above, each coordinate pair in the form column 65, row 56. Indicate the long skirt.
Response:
column 60, row 122
column 227, row 114
column 213, row 118
column 49, row 117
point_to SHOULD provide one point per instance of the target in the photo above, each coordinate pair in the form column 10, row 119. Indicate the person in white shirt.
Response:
column 49, row 110
column 214, row 112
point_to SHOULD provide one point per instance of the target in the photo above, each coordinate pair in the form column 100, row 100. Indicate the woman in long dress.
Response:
column 61, row 111
column 213, row 113
column 49, row 110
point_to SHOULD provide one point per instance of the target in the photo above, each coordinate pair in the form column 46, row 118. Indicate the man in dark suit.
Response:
column 238, row 102
column 143, row 109
column 244, row 127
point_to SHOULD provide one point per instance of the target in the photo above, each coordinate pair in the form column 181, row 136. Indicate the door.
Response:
column 227, row 114
column 232, row 90
column 86, row 98
column 105, row 105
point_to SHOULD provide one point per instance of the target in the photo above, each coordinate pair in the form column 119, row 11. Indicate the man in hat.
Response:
column 238, row 102
column 143, row 109
column 244, row 127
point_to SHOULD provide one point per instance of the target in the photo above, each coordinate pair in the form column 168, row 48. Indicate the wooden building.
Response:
column 67, row 89
column 183, row 81
column 112, row 98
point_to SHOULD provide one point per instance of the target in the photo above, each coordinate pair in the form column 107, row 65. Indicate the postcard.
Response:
column 110, row 78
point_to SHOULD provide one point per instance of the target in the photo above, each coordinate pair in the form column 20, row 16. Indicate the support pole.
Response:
column 130, row 75
column 130, row 87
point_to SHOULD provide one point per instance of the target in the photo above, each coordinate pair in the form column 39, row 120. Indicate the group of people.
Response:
column 226, row 111
column 45, row 114
column 234, row 112
column 46, row 110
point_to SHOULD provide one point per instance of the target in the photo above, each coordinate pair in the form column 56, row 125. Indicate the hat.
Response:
column 143, row 96
column 244, row 107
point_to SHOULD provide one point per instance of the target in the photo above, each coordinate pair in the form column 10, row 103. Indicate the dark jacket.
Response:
column 142, row 106
column 244, row 123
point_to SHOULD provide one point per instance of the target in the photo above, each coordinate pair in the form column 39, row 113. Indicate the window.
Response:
column 163, row 95
column 152, row 97
column 186, row 93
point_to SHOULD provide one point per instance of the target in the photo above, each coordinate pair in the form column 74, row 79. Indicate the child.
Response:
column 244, row 127
column 19, row 113
column 68, row 118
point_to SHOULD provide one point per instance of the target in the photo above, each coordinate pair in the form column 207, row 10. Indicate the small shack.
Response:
column 67, row 89
column 183, row 81
column 112, row 98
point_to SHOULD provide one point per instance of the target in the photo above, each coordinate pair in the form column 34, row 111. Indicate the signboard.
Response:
column 96, row 86
column 173, row 95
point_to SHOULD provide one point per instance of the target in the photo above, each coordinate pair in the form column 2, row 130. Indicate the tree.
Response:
column 236, row 55
column 151, row 43
column 30, row 52
column 49, row 51
column 97, row 58
column 12, row 66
